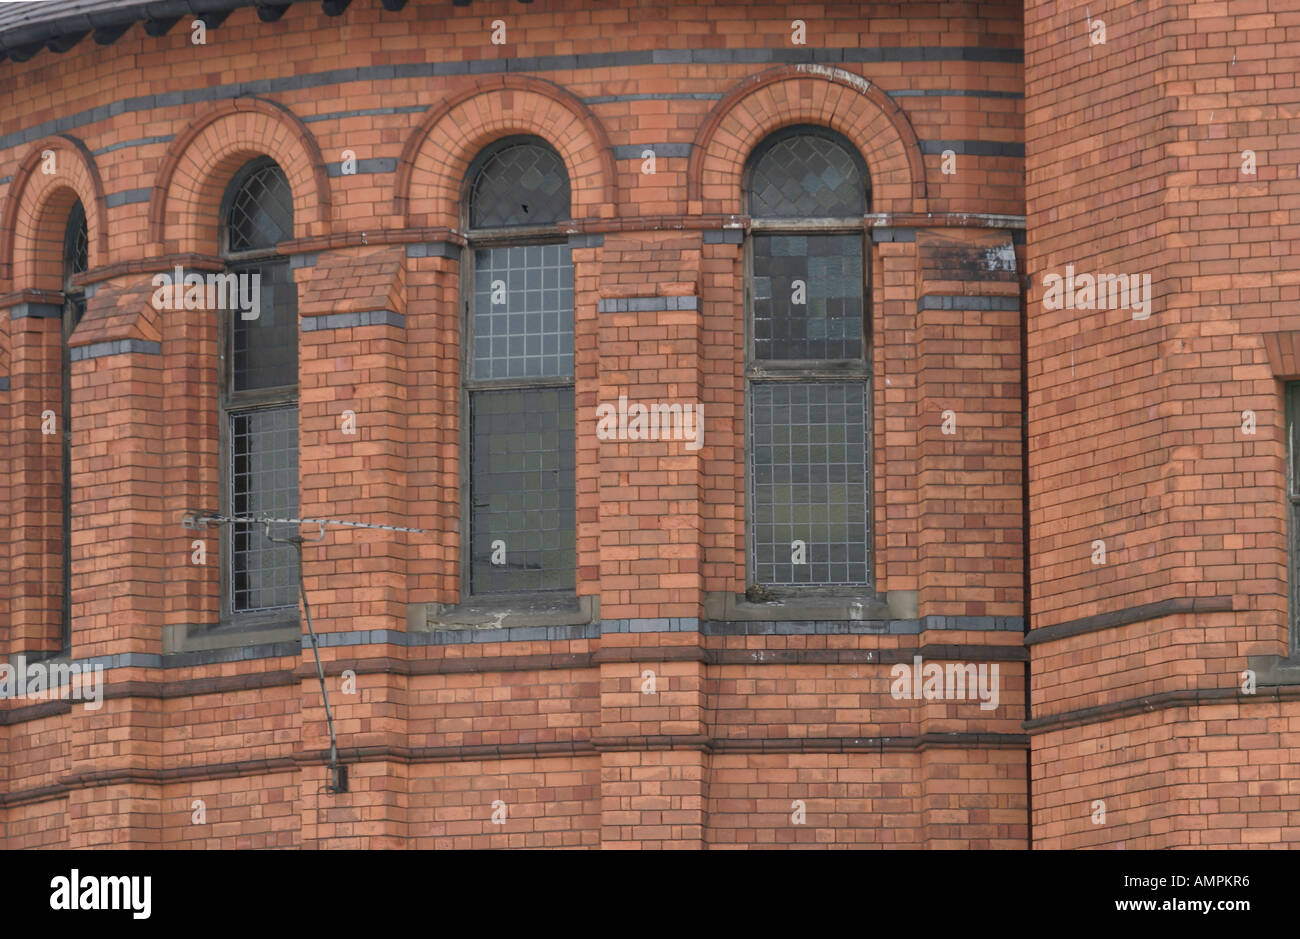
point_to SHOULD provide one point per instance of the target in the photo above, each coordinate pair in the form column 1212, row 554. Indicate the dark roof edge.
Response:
column 21, row 40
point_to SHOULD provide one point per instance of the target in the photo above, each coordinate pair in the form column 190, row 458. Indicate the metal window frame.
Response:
column 804, row 370
column 512, row 237
column 231, row 402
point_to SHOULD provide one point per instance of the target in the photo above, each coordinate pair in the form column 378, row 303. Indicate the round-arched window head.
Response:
column 75, row 241
column 518, row 181
column 806, row 172
column 258, row 208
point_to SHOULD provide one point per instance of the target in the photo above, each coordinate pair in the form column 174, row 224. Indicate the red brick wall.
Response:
column 742, row 726
column 1134, row 164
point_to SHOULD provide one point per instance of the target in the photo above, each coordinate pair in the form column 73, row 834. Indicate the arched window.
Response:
column 519, row 372
column 74, row 307
column 808, row 362
column 259, row 395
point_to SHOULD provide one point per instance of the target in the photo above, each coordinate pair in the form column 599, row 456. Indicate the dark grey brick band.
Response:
column 667, row 96
column 99, row 350
column 463, row 636
column 893, row 234
column 44, row 311
column 130, row 196
column 953, row 93
column 727, row 236
column 365, row 167
column 974, row 147
column 365, row 112
column 433, row 249
column 303, row 260
column 271, row 650
column 892, row 627
column 646, row 304
column 672, row 625
column 1128, row 616
column 586, row 241
column 471, row 634
column 139, row 142
column 637, row 151
column 620, row 60
column 353, row 320
column 944, row 302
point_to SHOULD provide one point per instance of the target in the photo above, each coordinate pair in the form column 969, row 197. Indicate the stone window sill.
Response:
column 507, row 611
column 793, row 605
column 230, row 635
column 1271, row 670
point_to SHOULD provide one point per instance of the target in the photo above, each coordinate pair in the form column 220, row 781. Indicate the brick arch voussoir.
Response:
column 431, row 170
column 26, row 207
column 187, row 192
column 812, row 94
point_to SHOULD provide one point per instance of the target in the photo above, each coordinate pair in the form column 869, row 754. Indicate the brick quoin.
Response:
column 677, row 708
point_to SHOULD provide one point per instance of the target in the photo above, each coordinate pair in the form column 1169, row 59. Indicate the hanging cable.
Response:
column 199, row 519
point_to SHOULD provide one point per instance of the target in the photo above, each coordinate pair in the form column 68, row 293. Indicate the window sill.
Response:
column 229, row 635
column 506, row 611
column 1272, row 670
column 792, row 605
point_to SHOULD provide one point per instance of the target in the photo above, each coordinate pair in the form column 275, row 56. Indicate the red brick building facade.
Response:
column 654, row 673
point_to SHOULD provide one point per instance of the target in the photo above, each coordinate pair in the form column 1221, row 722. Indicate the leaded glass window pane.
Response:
column 809, row 482
column 522, row 490
column 807, row 296
column 260, row 210
column 263, row 482
column 520, row 184
column 75, row 244
column 806, row 175
column 265, row 349
column 523, row 312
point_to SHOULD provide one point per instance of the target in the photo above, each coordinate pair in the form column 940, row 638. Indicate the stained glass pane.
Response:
column 806, row 175
column 265, row 349
column 809, row 483
column 75, row 242
column 260, row 213
column 807, row 297
column 263, row 482
column 522, row 491
column 520, row 184
column 523, row 312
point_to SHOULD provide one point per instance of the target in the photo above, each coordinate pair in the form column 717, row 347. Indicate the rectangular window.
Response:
column 809, row 406
column 807, row 297
column 521, row 421
column 1293, row 508
column 523, row 312
column 264, row 349
column 809, row 482
column 522, row 454
column 74, row 308
column 261, row 431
